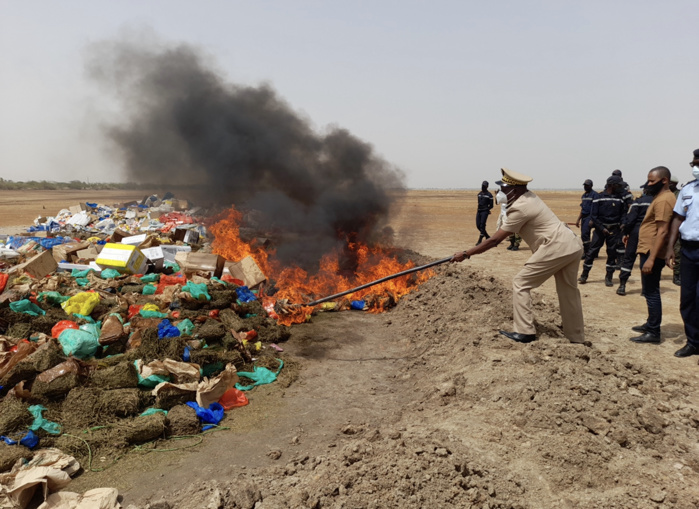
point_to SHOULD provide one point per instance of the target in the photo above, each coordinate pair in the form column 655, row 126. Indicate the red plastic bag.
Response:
column 251, row 335
column 3, row 281
column 61, row 326
column 175, row 279
column 133, row 311
column 227, row 278
column 233, row 398
column 214, row 313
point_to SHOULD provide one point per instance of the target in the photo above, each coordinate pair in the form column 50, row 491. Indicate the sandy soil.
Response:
column 427, row 406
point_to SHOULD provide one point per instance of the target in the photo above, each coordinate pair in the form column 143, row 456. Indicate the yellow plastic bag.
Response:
column 150, row 307
column 82, row 303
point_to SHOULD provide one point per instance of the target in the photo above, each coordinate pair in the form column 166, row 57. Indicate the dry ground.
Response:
column 427, row 406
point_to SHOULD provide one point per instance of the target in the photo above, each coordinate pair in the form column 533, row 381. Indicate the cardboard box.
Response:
column 186, row 235
column 171, row 250
column 66, row 252
column 39, row 266
column 68, row 267
column 119, row 234
column 192, row 262
column 122, row 257
column 246, row 270
column 155, row 255
column 76, row 209
column 90, row 253
column 134, row 240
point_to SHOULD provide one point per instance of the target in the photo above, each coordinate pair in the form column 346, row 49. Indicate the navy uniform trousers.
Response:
column 689, row 290
column 614, row 251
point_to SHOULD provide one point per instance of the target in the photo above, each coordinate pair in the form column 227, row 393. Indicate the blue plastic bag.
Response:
column 167, row 330
column 244, row 294
column 358, row 305
column 30, row 440
column 211, row 415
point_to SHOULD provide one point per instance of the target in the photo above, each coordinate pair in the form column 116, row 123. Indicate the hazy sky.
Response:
column 449, row 91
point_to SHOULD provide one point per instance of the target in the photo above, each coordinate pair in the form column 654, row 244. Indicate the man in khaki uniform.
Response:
column 556, row 252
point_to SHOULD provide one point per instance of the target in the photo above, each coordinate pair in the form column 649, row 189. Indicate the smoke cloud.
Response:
column 180, row 122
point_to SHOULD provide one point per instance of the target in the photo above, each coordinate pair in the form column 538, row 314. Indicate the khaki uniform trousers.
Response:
column 533, row 275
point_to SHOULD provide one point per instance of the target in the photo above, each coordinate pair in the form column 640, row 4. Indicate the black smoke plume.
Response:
column 181, row 123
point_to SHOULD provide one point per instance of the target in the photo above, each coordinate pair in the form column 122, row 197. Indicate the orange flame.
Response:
column 296, row 286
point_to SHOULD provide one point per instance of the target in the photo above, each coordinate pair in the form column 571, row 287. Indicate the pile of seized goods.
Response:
column 118, row 327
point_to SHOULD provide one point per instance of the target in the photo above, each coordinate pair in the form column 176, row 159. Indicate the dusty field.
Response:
column 427, row 406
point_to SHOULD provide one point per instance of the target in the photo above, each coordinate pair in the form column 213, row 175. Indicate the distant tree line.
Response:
column 48, row 185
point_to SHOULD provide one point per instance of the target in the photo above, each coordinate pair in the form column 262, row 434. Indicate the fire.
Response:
column 295, row 286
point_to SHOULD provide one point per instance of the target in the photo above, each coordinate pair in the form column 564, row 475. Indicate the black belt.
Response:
column 693, row 244
column 610, row 225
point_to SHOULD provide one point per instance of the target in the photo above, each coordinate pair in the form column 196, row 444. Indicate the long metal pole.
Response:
column 387, row 278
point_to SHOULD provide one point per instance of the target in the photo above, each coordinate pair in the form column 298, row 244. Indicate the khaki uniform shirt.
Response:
column 547, row 236
column 659, row 210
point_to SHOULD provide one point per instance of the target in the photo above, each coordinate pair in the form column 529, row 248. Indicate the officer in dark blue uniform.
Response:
column 630, row 229
column 485, row 203
column 583, row 221
column 607, row 215
column 626, row 190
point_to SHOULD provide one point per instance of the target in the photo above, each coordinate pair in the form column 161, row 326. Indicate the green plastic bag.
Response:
column 149, row 289
column 110, row 274
column 52, row 297
column 151, row 411
column 152, row 314
column 186, row 327
column 81, row 273
column 40, row 423
column 27, row 307
column 79, row 343
column 198, row 291
column 150, row 278
column 260, row 376
column 171, row 265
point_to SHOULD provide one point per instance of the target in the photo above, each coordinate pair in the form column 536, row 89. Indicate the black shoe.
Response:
column 509, row 248
column 640, row 328
column 647, row 337
column 621, row 290
column 608, row 281
column 687, row 350
column 520, row 338
column 676, row 279
column 515, row 248
column 582, row 279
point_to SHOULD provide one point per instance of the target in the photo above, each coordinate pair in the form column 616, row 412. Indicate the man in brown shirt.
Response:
column 556, row 252
column 652, row 244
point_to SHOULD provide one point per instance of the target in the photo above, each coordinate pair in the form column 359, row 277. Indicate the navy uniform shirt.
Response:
column 586, row 203
column 626, row 194
column 636, row 213
column 608, row 209
column 485, row 200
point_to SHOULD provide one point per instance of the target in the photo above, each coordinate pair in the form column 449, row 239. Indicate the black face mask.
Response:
column 587, row 188
column 655, row 188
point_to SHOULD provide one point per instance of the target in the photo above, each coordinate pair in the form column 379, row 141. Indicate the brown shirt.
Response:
column 659, row 210
column 547, row 236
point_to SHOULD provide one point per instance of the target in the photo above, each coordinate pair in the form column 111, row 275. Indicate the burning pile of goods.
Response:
column 110, row 340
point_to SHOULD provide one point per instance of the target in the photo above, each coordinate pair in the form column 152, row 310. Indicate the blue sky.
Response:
column 448, row 91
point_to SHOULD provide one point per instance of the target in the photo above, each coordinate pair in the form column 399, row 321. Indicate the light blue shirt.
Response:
column 687, row 206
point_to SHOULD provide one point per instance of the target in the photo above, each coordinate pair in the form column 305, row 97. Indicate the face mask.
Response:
column 655, row 188
column 695, row 172
column 500, row 198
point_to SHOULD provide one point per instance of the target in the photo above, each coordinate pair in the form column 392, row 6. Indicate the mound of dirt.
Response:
column 481, row 421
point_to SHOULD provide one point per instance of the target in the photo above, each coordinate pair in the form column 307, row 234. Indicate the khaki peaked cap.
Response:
column 513, row 178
